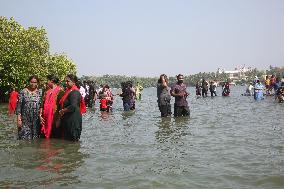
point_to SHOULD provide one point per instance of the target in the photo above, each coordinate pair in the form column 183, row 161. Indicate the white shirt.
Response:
column 82, row 91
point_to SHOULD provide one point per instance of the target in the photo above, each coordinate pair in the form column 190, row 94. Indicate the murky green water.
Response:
column 229, row 142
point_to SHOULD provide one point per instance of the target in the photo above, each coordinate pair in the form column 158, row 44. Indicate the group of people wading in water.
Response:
column 57, row 112
column 273, row 86
column 203, row 86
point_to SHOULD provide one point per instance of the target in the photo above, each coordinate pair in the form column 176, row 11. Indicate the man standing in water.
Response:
column 179, row 92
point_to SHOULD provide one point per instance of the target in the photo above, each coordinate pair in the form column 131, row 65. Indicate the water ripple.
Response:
column 228, row 142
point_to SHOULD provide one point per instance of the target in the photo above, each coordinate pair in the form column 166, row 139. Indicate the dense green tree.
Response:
column 25, row 52
column 60, row 65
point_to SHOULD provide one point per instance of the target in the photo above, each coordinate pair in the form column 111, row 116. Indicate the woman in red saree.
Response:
column 72, row 106
column 12, row 102
column 49, row 112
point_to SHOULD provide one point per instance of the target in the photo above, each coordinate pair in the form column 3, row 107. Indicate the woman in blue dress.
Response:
column 258, row 91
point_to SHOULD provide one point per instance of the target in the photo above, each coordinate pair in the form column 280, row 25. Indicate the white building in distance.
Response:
column 238, row 74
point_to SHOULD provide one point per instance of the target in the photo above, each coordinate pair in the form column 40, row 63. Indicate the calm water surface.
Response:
column 229, row 142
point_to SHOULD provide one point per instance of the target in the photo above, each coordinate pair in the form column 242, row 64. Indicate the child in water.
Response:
column 103, row 104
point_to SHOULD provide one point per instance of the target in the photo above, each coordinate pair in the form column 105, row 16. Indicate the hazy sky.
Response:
column 150, row 37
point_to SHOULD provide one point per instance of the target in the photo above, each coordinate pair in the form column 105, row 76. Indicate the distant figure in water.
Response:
column 109, row 97
column 213, row 88
column 267, row 85
column 226, row 89
column 277, row 87
column 128, row 96
column 90, row 94
column 255, row 80
column 272, row 83
column 281, row 93
column 179, row 92
column 138, row 89
column 164, row 97
column 204, row 88
column 258, row 91
column 198, row 89
column 12, row 102
column 106, row 99
column 249, row 90
column 103, row 103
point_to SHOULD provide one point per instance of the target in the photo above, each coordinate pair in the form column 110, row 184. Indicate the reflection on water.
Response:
column 41, row 163
column 128, row 114
column 171, row 130
column 231, row 142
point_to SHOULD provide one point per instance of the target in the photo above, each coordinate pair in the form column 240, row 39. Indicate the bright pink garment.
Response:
column 13, row 102
column 49, row 109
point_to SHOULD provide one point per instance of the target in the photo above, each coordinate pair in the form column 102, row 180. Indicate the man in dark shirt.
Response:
column 179, row 92
column 92, row 93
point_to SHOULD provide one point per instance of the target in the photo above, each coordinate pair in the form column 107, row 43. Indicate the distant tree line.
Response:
column 116, row 80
